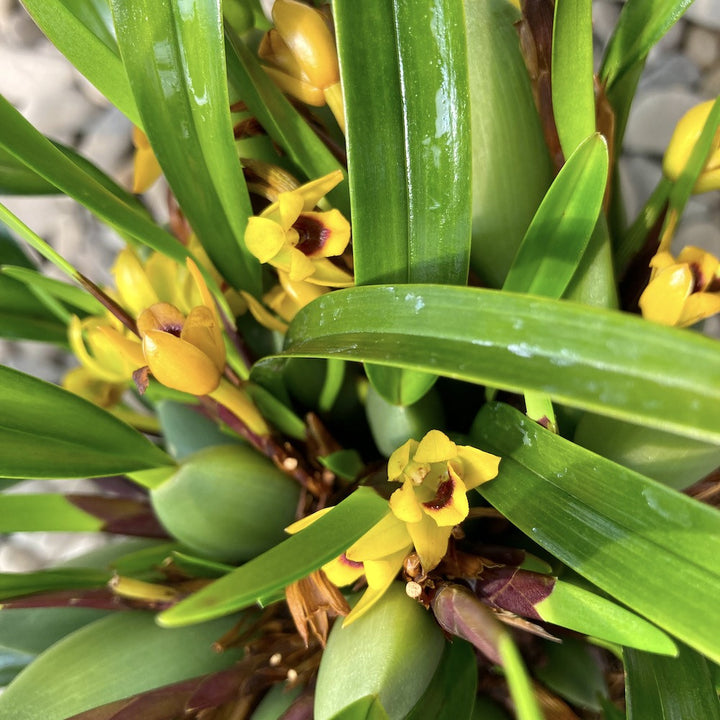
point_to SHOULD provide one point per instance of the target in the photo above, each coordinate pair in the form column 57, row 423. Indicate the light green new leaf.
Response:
column 282, row 122
column 173, row 52
column 609, row 524
column 559, row 233
column 44, row 512
column 519, row 682
column 626, row 367
column 641, row 24
column 110, row 659
column 47, row 432
column 82, row 31
column 670, row 688
column 573, row 94
column 296, row 557
column 17, row 584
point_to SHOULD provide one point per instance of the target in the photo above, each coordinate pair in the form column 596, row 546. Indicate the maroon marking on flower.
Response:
column 698, row 278
column 345, row 560
column 312, row 235
column 171, row 329
column 443, row 496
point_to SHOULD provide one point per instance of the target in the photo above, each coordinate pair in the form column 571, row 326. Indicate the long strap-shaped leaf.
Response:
column 173, row 52
column 608, row 362
column 632, row 537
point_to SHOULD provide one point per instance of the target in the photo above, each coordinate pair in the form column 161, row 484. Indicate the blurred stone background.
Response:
column 682, row 70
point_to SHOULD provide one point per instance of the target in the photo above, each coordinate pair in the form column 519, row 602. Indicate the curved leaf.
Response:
column 174, row 56
column 47, row 432
column 609, row 524
column 626, row 367
column 44, row 512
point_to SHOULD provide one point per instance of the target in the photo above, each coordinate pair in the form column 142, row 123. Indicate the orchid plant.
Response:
column 399, row 416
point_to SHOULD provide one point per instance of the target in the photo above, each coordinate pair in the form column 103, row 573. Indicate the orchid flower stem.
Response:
column 539, row 408
column 239, row 404
column 139, row 590
column 334, row 99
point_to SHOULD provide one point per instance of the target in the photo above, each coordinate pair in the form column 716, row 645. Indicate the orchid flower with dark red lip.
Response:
column 435, row 474
column 296, row 240
column 682, row 291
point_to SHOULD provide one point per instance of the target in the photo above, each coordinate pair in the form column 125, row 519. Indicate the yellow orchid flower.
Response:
column 435, row 474
column 682, row 291
column 303, row 57
column 146, row 169
column 681, row 145
column 86, row 384
column 296, row 240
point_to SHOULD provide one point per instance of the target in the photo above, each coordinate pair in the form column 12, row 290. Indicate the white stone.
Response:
column 604, row 16
column 653, row 117
column 14, row 558
column 702, row 46
column 669, row 70
column 710, row 85
column 705, row 12
column 703, row 235
column 638, row 178
column 107, row 141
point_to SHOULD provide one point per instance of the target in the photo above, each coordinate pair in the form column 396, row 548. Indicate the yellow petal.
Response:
column 449, row 506
column 308, row 37
column 435, row 447
column 476, row 466
column 328, row 275
column 163, row 275
column 379, row 574
column 161, row 316
column 400, row 458
column 113, row 373
column 179, row 365
column 698, row 307
column 342, row 572
column 405, row 505
column 301, row 293
column 264, row 238
column 312, row 192
column 146, row 170
column 430, row 541
column 202, row 331
column 388, row 536
column 298, row 88
column 131, row 281
column 262, row 315
column 287, row 208
column 130, row 349
column 274, row 50
column 207, row 299
column 301, row 267
column 664, row 297
column 704, row 265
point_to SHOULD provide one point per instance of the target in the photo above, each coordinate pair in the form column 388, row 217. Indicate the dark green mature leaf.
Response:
column 110, row 659
column 174, row 55
column 365, row 708
column 281, row 120
column 44, row 512
column 559, row 233
column 609, row 524
column 14, row 585
column 296, row 557
column 573, row 94
column 670, row 688
column 47, row 432
column 642, row 23
column 17, row 179
column 626, row 367
column 82, row 31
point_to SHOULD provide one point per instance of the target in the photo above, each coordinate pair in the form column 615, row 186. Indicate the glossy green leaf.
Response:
column 369, row 657
column 572, row 670
column 282, row 122
column 576, row 608
column 24, row 317
column 627, row 368
column 451, row 693
column 38, row 153
column 47, row 432
column 670, row 688
column 43, row 512
column 641, row 24
column 573, row 94
column 508, row 147
column 521, row 689
column 296, row 557
column 609, row 524
column 200, row 567
column 110, row 659
column 81, row 30
column 174, row 56
column 18, row 584
column 559, row 233
column 365, row 708
column 17, row 179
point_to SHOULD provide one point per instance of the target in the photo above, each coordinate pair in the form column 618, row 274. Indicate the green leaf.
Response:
column 24, row 317
column 559, row 233
column 626, row 367
column 17, row 179
column 282, row 122
column 296, row 557
column 110, row 659
column 451, row 693
column 174, row 56
column 508, row 147
column 47, row 432
column 17, row 584
column 574, row 607
column 365, row 708
column 641, row 24
column 670, row 688
column 44, row 512
column 609, row 524
column 82, row 31
column 573, row 94
column 521, row 690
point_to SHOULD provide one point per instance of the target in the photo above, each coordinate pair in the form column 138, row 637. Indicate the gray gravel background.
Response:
column 683, row 70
